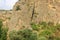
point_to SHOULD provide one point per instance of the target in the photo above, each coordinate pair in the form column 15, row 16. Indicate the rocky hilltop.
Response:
column 26, row 11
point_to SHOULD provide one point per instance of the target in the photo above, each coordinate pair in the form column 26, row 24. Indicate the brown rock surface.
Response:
column 25, row 11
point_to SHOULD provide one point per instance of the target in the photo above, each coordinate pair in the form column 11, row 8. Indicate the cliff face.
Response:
column 40, row 10
column 25, row 11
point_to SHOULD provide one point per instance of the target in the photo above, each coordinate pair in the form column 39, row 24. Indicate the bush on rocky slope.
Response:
column 41, row 31
column 46, row 31
column 3, row 32
column 25, row 34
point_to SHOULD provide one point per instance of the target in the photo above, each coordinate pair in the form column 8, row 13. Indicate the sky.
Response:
column 7, row 4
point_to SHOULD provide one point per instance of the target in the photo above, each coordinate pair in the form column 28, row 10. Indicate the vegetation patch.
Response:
column 25, row 34
column 3, row 32
column 41, row 31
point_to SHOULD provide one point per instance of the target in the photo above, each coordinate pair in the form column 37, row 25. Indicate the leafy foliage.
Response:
column 34, row 26
column 41, row 31
column 25, row 34
column 46, row 31
column 3, row 32
column 0, row 27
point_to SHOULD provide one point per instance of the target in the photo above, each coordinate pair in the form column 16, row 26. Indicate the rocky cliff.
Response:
column 26, row 11
column 39, row 10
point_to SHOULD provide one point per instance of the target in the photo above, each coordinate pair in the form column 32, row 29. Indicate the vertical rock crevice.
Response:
column 33, row 11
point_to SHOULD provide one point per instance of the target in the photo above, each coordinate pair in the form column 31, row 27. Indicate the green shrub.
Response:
column 18, row 8
column 35, row 26
column 45, row 33
column 46, row 30
column 43, row 23
column 0, row 27
column 3, row 32
column 25, row 34
column 42, row 38
column 1, row 24
column 58, row 27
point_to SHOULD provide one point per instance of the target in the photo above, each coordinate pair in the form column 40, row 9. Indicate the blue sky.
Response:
column 7, row 4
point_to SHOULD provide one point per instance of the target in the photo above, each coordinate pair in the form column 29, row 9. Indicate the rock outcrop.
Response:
column 39, row 10
column 26, row 11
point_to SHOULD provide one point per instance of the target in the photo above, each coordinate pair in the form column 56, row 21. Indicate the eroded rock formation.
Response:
column 25, row 11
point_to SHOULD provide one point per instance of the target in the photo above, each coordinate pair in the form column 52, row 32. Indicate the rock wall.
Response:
column 25, row 11
column 40, row 10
